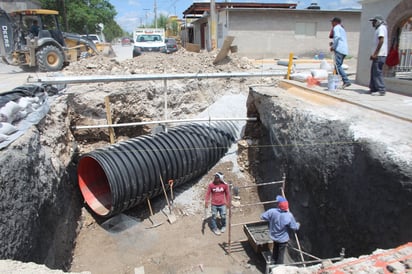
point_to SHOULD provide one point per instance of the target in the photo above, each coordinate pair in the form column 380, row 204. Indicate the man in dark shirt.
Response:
column 34, row 29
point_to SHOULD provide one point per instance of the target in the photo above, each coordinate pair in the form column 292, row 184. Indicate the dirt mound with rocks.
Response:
column 181, row 61
column 138, row 101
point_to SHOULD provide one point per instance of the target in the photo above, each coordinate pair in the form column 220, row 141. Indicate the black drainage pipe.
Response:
column 123, row 175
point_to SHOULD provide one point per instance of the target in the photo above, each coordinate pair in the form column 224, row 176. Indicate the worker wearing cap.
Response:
column 280, row 221
column 378, row 56
column 340, row 47
column 219, row 193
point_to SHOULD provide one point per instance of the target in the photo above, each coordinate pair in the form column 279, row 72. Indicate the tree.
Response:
column 161, row 21
column 82, row 16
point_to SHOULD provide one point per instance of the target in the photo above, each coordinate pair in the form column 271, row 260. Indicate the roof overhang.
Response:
column 199, row 9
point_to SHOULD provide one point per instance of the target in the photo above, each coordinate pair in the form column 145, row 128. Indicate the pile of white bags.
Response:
column 19, row 110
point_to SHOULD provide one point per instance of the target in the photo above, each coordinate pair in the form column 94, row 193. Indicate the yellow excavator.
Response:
column 32, row 39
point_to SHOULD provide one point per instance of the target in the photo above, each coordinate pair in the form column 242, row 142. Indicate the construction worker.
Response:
column 280, row 221
column 34, row 29
column 219, row 193
column 340, row 48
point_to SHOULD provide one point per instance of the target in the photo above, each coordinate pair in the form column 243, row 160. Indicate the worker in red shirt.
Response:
column 219, row 193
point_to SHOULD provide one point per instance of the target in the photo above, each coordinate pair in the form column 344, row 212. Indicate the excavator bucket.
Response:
column 106, row 49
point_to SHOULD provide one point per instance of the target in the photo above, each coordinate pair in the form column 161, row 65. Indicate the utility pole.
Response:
column 64, row 11
column 146, row 15
column 155, row 12
column 213, row 24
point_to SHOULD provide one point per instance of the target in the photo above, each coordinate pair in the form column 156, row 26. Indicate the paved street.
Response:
column 12, row 76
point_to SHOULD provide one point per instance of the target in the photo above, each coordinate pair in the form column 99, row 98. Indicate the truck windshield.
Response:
column 149, row 38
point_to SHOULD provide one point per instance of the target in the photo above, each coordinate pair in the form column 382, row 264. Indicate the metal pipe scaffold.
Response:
column 147, row 77
column 164, row 122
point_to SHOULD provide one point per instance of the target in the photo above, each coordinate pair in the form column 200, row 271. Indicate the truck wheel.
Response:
column 50, row 58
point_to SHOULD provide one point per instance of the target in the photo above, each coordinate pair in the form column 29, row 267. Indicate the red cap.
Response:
column 284, row 205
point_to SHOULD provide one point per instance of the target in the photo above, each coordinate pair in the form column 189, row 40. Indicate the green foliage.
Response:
column 162, row 21
column 82, row 16
column 174, row 28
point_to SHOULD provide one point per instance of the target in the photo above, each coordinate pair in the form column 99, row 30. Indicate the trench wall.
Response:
column 345, row 191
column 39, row 198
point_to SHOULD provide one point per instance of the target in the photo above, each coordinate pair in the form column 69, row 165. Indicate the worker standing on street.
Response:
column 280, row 221
column 219, row 193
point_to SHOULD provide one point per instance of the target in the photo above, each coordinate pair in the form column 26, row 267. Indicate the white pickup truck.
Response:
column 94, row 37
column 148, row 40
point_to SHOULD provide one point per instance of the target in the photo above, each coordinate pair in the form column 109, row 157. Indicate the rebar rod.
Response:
column 264, row 184
column 315, row 261
column 260, row 203
column 307, row 254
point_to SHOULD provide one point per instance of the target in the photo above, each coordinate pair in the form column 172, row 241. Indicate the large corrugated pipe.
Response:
column 123, row 175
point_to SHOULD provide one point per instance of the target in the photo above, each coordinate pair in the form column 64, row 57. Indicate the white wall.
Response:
column 271, row 33
column 12, row 5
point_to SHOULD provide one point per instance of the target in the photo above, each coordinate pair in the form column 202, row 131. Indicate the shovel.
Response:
column 171, row 192
column 170, row 216
column 154, row 224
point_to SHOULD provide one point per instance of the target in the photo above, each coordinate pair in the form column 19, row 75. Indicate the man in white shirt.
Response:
column 378, row 56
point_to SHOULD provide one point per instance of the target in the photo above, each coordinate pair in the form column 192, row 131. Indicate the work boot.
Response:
column 216, row 231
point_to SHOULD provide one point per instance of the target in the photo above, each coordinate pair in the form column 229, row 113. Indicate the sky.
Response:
column 133, row 13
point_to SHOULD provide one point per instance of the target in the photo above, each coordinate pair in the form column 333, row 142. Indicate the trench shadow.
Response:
column 254, row 259
column 120, row 222
column 206, row 222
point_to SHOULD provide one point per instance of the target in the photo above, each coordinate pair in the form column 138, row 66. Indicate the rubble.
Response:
column 181, row 61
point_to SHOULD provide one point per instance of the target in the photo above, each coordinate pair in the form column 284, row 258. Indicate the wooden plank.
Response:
column 192, row 47
column 109, row 119
column 224, row 50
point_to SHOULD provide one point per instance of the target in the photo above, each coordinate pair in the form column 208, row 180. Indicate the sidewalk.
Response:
column 392, row 104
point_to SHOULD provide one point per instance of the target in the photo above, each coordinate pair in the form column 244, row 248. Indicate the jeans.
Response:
column 279, row 250
column 222, row 212
column 338, row 63
column 376, row 82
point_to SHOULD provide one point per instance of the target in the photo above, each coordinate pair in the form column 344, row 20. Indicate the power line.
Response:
column 319, row 144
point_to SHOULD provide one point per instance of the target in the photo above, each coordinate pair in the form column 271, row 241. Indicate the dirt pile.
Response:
column 138, row 101
column 181, row 61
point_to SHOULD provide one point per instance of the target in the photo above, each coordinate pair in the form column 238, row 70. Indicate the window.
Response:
column 305, row 29
column 404, row 69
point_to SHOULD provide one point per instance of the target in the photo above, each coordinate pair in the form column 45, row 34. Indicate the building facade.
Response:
column 262, row 32
column 12, row 5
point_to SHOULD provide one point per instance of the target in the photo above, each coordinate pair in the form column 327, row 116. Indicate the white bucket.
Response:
column 333, row 82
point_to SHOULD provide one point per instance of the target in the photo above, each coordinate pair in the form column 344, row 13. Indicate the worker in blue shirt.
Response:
column 280, row 221
column 340, row 47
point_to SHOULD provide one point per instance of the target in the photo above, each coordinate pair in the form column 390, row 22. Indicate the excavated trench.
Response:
column 345, row 192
